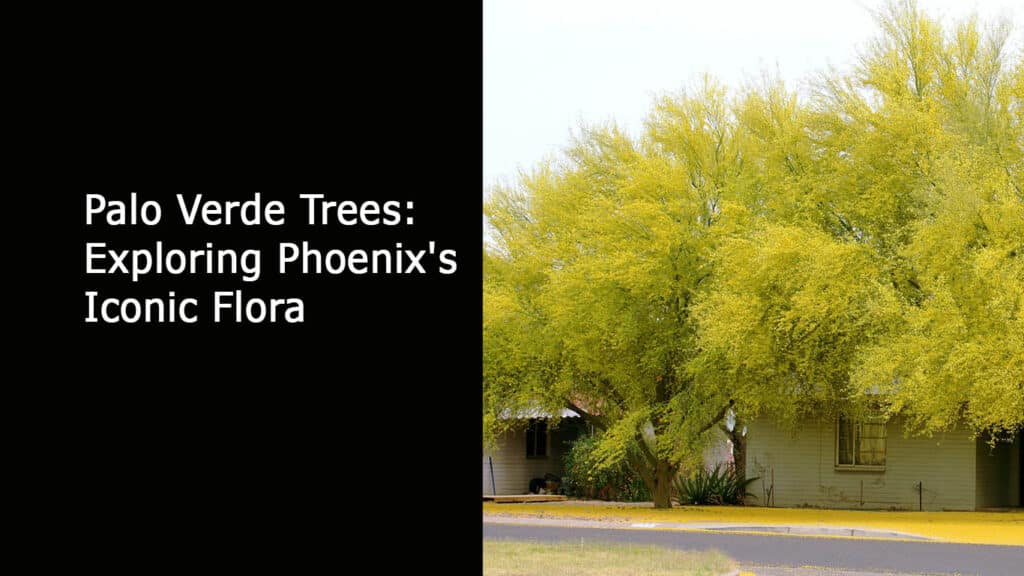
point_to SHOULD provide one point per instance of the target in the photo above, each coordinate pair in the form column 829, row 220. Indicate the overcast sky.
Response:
column 549, row 64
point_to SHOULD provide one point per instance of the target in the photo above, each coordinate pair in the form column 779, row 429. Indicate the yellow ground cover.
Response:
column 967, row 527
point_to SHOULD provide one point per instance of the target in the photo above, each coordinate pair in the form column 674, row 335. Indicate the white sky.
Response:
column 549, row 64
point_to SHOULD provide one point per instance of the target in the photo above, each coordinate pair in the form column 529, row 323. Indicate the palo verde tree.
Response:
column 888, row 273
column 857, row 247
column 957, row 357
column 592, row 276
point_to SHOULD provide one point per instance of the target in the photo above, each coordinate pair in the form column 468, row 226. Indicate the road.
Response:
column 861, row 555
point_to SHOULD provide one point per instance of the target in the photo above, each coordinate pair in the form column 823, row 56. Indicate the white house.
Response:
column 874, row 465
column 535, row 449
column 530, row 451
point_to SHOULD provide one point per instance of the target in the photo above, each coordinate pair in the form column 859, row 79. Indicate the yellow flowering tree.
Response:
column 860, row 245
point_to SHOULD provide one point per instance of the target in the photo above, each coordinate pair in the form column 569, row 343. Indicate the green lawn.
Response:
column 512, row 558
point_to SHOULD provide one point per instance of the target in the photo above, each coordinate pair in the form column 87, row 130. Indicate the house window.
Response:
column 860, row 444
column 537, row 439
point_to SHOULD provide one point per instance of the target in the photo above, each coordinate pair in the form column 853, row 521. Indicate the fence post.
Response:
column 490, row 462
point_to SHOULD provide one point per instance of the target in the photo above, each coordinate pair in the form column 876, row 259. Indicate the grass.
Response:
column 967, row 527
column 512, row 558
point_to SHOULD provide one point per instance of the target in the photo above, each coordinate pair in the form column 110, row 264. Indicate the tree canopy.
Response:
column 859, row 244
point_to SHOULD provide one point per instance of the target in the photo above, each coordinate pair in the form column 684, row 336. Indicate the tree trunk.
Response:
column 661, row 491
column 739, row 453
column 739, row 459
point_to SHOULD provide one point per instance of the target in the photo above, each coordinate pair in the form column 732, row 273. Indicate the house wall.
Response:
column 718, row 451
column 803, row 464
column 513, row 470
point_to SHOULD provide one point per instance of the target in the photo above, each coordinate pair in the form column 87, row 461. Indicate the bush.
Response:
column 719, row 486
column 584, row 479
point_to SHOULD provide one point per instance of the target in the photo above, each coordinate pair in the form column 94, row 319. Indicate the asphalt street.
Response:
column 862, row 555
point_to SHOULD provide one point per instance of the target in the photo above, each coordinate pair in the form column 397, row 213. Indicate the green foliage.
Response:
column 719, row 486
column 587, row 476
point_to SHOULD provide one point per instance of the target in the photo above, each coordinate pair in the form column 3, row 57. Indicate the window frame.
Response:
column 857, row 424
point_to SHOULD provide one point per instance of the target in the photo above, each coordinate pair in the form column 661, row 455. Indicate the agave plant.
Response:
column 719, row 486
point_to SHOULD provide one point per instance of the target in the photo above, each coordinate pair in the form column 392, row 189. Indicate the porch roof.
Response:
column 507, row 414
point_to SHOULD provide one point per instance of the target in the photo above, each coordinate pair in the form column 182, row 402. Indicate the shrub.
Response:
column 585, row 479
column 719, row 486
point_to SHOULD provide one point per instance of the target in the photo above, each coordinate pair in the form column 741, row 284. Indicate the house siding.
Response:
column 513, row 470
column 994, row 467
column 718, row 451
column 803, row 466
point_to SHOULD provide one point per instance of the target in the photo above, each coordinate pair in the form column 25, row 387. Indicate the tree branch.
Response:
column 644, row 471
column 651, row 458
column 721, row 414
